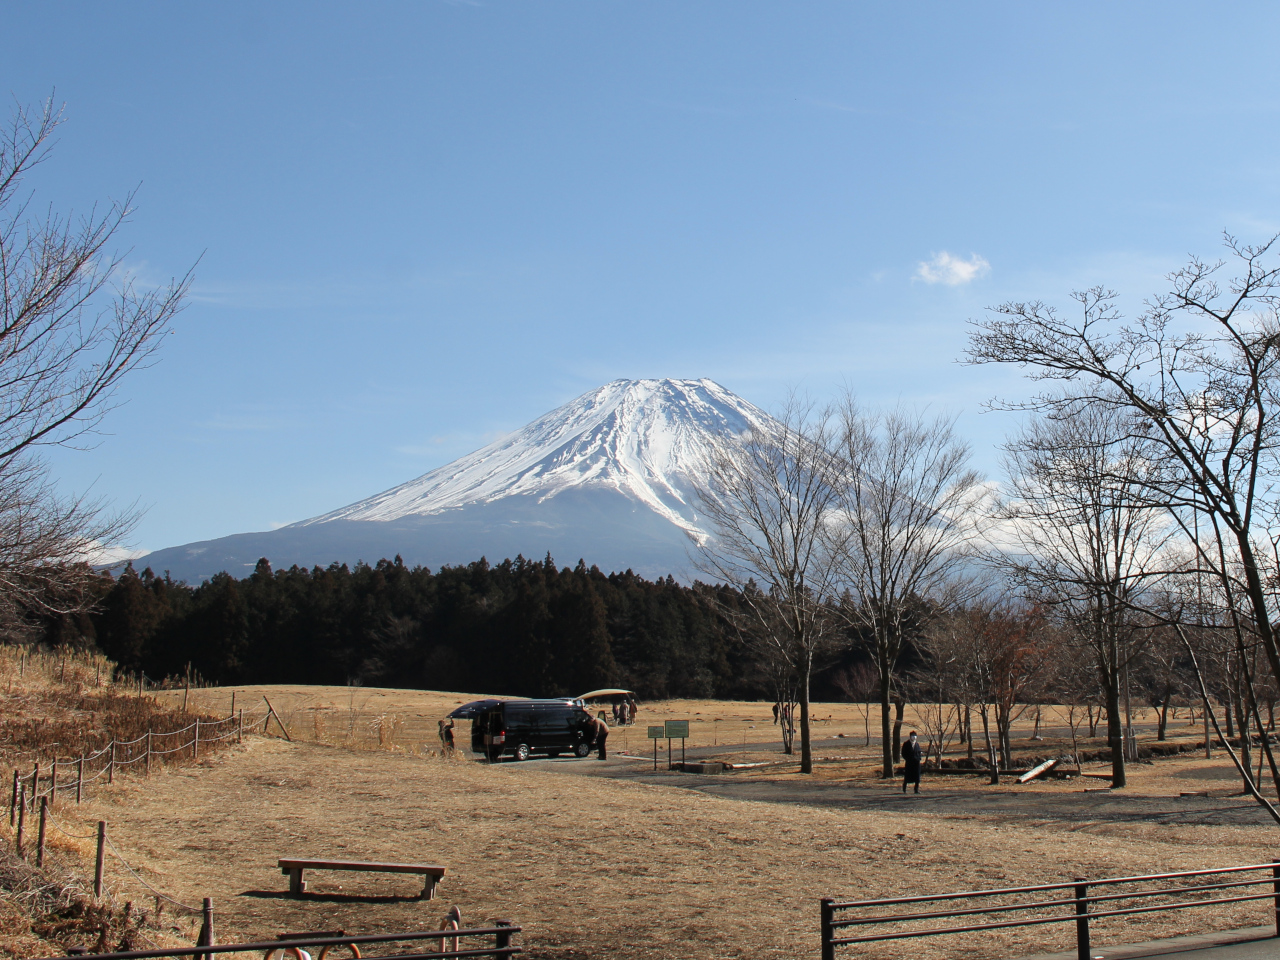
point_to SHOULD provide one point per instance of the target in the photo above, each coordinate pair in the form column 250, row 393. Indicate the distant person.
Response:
column 911, row 762
column 777, row 709
column 597, row 733
column 631, row 712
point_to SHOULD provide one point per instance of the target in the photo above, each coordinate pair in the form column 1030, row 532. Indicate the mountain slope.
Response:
column 608, row 477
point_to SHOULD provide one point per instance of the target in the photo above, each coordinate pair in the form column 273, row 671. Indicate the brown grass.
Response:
column 66, row 707
column 593, row 866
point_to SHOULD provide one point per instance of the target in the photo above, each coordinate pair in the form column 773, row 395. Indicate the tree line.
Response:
column 519, row 627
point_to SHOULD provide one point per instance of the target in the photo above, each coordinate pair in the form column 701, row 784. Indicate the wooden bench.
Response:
column 430, row 872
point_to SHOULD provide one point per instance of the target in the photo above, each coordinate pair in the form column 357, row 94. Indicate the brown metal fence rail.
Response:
column 1050, row 903
column 501, row 932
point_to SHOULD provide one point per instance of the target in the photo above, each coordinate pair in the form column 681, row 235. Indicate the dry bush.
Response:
column 69, row 706
column 45, row 911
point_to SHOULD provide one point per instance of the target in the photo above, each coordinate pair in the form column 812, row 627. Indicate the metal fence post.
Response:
column 111, row 765
column 1082, row 919
column 13, row 800
column 1275, row 886
column 240, row 728
column 195, row 743
column 79, row 779
column 501, row 939
column 828, row 933
column 35, row 786
column 53, row 783
column 97, row 866
column 44, row 818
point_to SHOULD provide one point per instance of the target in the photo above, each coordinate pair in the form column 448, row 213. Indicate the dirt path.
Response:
column 593, row 866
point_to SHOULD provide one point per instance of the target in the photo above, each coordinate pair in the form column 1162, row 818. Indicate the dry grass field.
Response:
column 628, row 864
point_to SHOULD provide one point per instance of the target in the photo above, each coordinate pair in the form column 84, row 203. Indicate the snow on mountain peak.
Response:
column 644, row 438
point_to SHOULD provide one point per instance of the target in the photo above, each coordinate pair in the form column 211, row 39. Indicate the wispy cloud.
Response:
column 953, row 271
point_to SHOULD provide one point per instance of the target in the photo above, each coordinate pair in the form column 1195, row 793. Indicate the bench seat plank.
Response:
column 360, row 865
column 294, row 867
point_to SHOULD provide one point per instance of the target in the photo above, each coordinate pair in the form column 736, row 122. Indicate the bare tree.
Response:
column 1081, row 535
column 1196, row 375
column 73, row 322
column 860, row 683
column 768, row 497
column 904, row 517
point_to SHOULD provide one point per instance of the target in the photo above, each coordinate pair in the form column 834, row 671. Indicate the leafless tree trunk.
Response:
column 904, row 518
column 768, row 499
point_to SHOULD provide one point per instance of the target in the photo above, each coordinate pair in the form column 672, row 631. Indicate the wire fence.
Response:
column 64, row 776
column 41, row 789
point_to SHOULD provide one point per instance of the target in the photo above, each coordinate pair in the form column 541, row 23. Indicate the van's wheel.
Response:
column 522, row 751
column 581, row 750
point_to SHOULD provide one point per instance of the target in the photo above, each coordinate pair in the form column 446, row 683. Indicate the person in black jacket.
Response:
column 911, row 762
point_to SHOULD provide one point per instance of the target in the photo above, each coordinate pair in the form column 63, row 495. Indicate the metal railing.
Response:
column 501, row 932
column 1056, row 903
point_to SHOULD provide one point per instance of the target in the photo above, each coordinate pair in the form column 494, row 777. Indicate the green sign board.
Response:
column 657, row 733
column 677, row 729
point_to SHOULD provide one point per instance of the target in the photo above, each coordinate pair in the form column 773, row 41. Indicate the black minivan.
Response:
column 521, row 728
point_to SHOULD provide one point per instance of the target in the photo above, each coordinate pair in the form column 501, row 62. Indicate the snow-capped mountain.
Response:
column 608, row 477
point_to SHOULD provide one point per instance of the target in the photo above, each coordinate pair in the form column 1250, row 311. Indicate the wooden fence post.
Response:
column 44, row 819
column 13, row 800
column 195, row 742
column 97, row 865
column 79, row 779
column 111, row 764
column 205, row 939
column 22, row 818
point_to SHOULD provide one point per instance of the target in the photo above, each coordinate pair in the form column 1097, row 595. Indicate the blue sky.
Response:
column 424, row 224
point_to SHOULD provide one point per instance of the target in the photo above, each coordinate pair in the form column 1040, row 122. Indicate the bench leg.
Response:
column 429, row 888
column 296, row 884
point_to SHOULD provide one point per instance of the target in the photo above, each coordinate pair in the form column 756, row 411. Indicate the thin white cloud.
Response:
column 953, row 271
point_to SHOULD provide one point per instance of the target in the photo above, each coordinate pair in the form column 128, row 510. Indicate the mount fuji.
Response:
column 608, row 478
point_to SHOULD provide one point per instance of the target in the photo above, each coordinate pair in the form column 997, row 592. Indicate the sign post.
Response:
column 676, row 729
column 656, row 734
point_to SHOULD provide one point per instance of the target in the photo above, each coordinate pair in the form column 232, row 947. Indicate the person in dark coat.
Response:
column 911, row 757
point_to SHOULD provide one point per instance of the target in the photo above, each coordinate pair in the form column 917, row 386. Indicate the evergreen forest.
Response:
column 519, row 627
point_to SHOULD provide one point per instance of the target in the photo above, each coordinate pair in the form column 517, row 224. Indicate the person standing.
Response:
column 911, row 757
